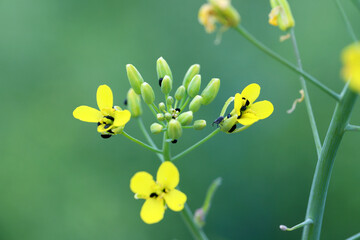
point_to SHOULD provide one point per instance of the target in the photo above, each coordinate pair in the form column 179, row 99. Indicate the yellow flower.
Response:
column 246, row 110
column 351, row 69
column 110, row 119
column 281, row 15
column 158, row 193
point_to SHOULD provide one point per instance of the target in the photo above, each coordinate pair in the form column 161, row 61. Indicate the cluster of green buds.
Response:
column 170, row 114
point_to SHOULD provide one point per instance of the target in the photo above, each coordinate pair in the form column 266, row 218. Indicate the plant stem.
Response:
column 186, row 103
column 196, row 145
column 286, row 63
column 307, row 97
column 300, row 225
column 347, row 22
column 356, row 236
column 189, row 219
column 148, row 138
column 350, row 127
column 320, row 184
column 166, row 147
column 141, row 143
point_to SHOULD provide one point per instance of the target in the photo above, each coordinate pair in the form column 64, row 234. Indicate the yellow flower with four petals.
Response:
column 110, row 119
column 158, row 194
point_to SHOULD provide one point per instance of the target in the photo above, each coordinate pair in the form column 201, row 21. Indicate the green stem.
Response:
column 196, row 145
column 166, row 148
column 322, row 175
column 148, row 138
column 141, row 143
column 226, row 105
column 347, row 22
column 356, row 236
column 187, row 127
column 189, row 219
column 300, row 225
column 307, row 97
column 185, row 104
column 350, row 127
column 286, row 63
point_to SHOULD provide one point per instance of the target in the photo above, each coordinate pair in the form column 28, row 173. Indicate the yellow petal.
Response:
column 238, row 103
column 153, row 210
column 121, row 118
column 104, row 97
column 175, row 200
column 262, row 109
column 247, row 119
column 251, row 92
column 143, row 184
column 168, row 175
column 101, row 128
column 87, row 114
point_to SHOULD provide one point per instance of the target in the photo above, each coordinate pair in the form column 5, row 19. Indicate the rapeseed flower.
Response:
column 351, row 68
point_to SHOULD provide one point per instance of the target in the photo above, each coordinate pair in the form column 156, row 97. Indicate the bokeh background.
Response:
column 60, row 180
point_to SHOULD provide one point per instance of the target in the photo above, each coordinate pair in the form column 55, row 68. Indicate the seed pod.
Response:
column 199, row 124
column 163, row 69
column 195, row 104
column 174, row 129
column 211, row 91
column 135, row 78
column 193, row 70
column 185, row 118
column 180, row 93
column 194, row 86
column 147, row 93
column 156, row 128
column 166, row 85
column 134, row 103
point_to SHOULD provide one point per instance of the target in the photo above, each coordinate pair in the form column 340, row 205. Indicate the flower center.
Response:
column 246, row 103
column 160, row 193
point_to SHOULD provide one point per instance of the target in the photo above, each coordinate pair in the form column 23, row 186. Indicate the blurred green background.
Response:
column 60, row 180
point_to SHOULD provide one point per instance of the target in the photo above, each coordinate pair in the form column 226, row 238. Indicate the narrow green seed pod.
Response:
column 211, row 91
column 174, row 129
column 199, row 124
column 169, row 100
column 162, row 106
column 166, row 85
column 147, row 93
column 156, row 128
column 180, row 93
column 134, row 103
column 228, row 123
column 185, row 118
column 134, row 77
column 160, row 117
column 168, row 116
column 163, row 69
column 193, row 70
column 195, row 104
column 194, row 86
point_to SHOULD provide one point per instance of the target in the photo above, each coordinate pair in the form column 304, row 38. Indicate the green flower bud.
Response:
column 180, row 93
column 174, row 129
column 162, row 106
column 156, row 128
column 147, row 93
column 194, row 86
column 199, row 124
column 169, row 100
column 185, row 118
column 228, row 123
column 168, row 116
column 163, row 69
column 160, row 117
column 193, row 70
column 135, row 78
column 134, row 103
column 166, row 85
column 195, row 104
column 211, row 90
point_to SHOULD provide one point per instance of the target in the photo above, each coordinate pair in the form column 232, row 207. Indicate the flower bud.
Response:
column 226, row 14
column 199, row 124
column 195, row 104
column 156, row 128
column 160, row 117
column 211, row 91
column 180, row 93
column 162, row 106
column 174, row 129
column 185, row 118
column 134, row 103
column 135, row 78
column 147, row 93
column 281, row 15
column 194, row 86
column 169, row 100
column 166, row 85
column 193, row 70
column 228, row 123
column 163, row 69
column 168, row 116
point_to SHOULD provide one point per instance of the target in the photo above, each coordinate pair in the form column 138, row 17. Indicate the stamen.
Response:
column 105, row 136
column 247, row 103
column 98, row 123
column 125, row 102
column 110, row 118
column 174, row 141
column 153, row 195
column 178, row 109
column 160, row 81
column 107, row 126
column 232, row 129
column 243, row 108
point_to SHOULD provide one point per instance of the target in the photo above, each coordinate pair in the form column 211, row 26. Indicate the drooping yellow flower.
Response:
column 158, row 194
column 281, row 15
column 110, row 119
column 351, row 68
column 247, row 110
